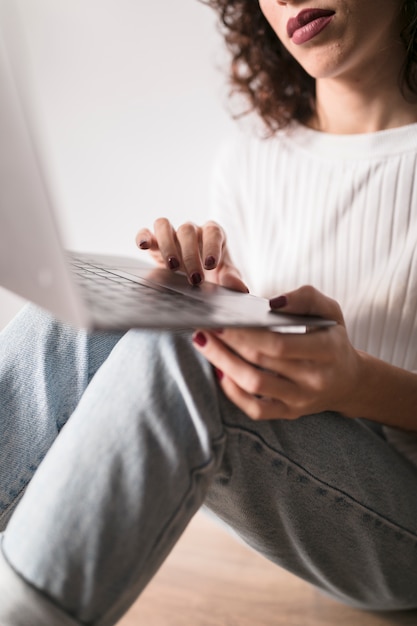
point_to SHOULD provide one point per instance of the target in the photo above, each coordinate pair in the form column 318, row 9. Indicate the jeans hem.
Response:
column 21, row 604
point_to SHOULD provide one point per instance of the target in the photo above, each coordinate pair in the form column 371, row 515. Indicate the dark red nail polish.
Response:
column 200, row 339
column 279, row 302
column 173, row 263
column 196, row 278
column 210, row 262
column 144, row 244
column 219, row 374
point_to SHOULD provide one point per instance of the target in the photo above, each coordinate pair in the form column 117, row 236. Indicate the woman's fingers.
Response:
column 202, row 248
column 266, row 349
column 308, row 301
column 305, row 374
column 273, row 375
column 260, row 394
column 145, row 240
column 167, row 243
column 257, row 408
column 213, row 241
column 227, row 274
column 193, row 250
column 163, row 240
column 189, row 241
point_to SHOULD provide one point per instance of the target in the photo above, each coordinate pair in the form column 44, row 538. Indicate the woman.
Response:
column 303, row 444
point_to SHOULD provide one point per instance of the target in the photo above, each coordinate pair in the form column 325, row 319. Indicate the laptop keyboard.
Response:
column 104, row 290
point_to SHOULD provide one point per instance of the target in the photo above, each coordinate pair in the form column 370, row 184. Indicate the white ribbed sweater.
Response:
column 336, row 212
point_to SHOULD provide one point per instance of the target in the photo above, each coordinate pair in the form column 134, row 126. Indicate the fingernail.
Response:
column 196, row 278
column 173, row 263
column 279, row 302
column 210, row 262
column 144, row 244
column 219, row 374
column 200, row 339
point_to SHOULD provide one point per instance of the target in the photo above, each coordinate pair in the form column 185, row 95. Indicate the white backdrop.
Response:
column 133, row 98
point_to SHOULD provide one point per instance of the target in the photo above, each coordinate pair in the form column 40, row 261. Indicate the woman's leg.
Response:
column 117, row 488
column 44, row 369
column 328, row 499
column 150, row 440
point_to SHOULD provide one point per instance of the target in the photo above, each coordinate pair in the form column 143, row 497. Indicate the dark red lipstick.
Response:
column 308, row 23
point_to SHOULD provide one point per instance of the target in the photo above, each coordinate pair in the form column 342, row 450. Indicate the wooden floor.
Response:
column 211, row 579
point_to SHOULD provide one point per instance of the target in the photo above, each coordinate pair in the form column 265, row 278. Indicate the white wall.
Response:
column 134, row 105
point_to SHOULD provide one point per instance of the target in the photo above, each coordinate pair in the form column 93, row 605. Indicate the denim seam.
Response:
column 15, row 496
column 257, row 436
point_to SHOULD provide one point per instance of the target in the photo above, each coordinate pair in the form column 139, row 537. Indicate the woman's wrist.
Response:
column 385, row 393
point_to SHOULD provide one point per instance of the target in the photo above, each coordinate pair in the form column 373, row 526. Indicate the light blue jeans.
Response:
column 111, row 443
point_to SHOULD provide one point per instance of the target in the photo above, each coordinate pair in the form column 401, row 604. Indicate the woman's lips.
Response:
column 307, row 24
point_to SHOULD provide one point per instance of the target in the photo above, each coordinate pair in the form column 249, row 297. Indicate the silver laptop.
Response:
column 91, row 291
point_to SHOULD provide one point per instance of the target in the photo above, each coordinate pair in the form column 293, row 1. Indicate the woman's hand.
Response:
column 269, row 375
column 199, row 251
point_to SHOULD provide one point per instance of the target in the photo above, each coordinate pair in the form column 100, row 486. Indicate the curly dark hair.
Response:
column 272, row 81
